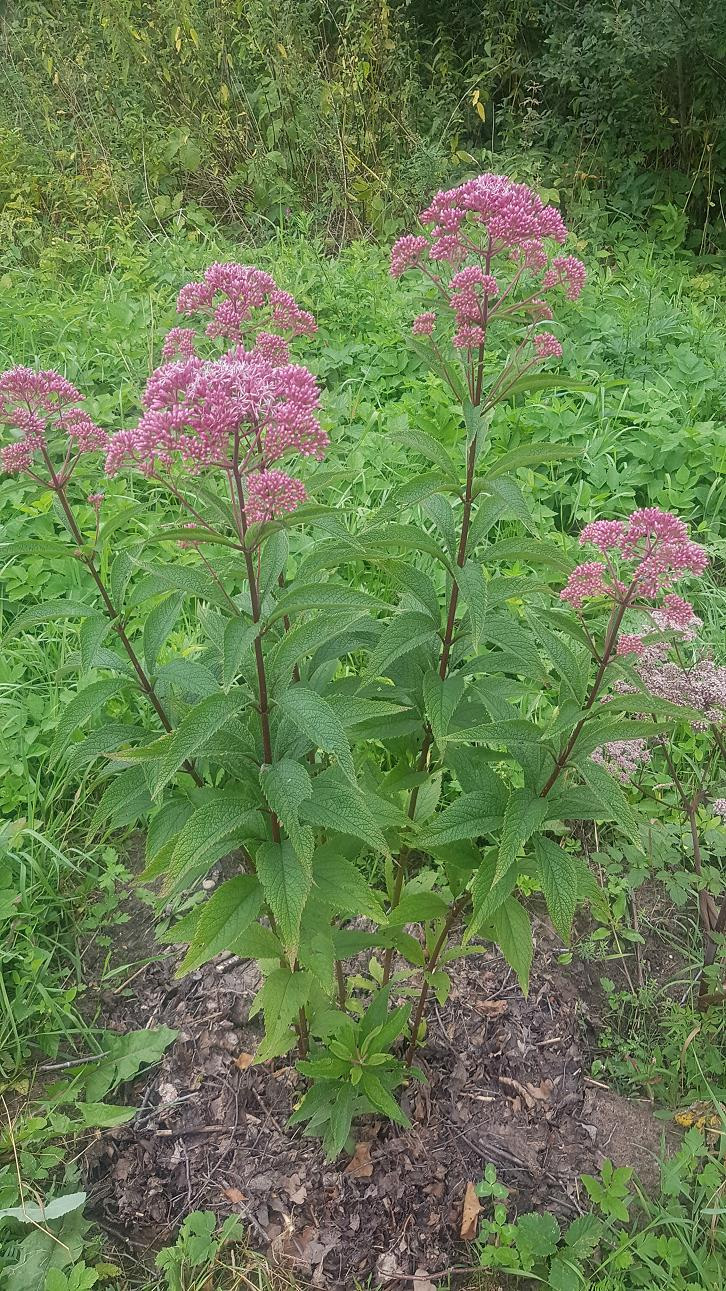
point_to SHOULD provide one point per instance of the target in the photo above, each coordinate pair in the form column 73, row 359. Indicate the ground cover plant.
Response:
column 392, row 726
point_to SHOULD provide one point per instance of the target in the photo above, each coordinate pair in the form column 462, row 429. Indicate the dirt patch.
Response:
column 507, row 1084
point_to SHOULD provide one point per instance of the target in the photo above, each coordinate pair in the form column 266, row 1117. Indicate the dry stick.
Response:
column 405, row 852
column 113, row 613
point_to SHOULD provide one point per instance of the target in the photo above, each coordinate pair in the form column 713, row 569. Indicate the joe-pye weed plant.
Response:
column 320, row 733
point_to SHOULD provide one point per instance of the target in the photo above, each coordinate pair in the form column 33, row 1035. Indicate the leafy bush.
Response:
column 401, row 752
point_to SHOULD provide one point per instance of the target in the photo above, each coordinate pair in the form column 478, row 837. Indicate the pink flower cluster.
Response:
column 718, row 807
column 36, row 404
column 270, row 493
column 660, row 550
column 234, row 295
column 467, row 228
column 622, row 758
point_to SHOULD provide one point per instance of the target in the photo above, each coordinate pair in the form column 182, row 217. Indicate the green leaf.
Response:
column 239, row 638
column 473, row 589
column 439, row 510
column 188, row 740
column 405, row 632
column 312, row 715
column 159, row 623
column 647, row 704
column 307, row 637
column 189, row 677
column 106, row 739
column 273, row 561
column 353, row 710
column 537, row 1235
column 509, row 733
column 280, row 998
column 381, row 1100
column 524, row 815
column 385, row 537
column 286, row 784
column 286, row 882
column 470, row 816
column 505, row 631
column 544, row 381
column 558, row 876
column 534, row 553
column 120, row 576
column 414, row 907
column 227, row 914
column 123, row 1057
column 570, row 666
column 487, row 896
column 511, row 495
column 412, row 492
column 417, row 584
column 342, row 808
column 424, row 444
column 49, row 612
column 32, row 1213
column 441, row 700
column 85, row 704
column 340, row 1120
column 339, row 885
column 531, row 455
column 176, row 577
column 611, row 796
column 513, row 934
column 91, row 636
column 210, row 832
column 324, row 596
column 123, row 802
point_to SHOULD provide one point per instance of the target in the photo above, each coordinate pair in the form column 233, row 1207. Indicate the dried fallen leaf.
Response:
column 234, row 1195
column 360, row 1165
column 244, row 1060
column 515, row 1084
column 492, row 1008
column 470, row 1214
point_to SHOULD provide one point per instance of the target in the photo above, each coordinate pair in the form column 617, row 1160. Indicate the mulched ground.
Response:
column 507, row 1084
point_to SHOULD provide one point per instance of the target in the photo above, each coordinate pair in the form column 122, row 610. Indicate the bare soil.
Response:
column 507, row 1083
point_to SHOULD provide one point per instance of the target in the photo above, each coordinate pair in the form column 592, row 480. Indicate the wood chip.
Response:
column 470, row 1214
column 360, row 1165
column 234, row 1195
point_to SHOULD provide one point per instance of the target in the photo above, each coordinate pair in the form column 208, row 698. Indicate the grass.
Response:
column 650, row 339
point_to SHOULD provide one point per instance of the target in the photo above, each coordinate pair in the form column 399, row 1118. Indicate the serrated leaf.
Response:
column 49, row 612
column 192, row 679
column 239, row 638
column 525, row 813
column 123, row 802
column 469, row 816
column 339, row 885
column 226, row 915
column 405, row 632
column 120, row 576
column 307, row 637
column 572, row 669
column 84, row 705
column 381, row 1100
column 612, row 797
column 312, row 715
column 505, row 631
column 541, row 552
column 473, row 590
column 509, row 492
column 513, row 935
column 324, row 596
column 188, row 740
column 417, row 906
column 531, row 455
column 286, row 882
column 412, row 492
column 487, row 896
column 286, row 785
column 91, row 636
column 280, row 998
column 209, row 833
column 439, row 510
column 107, row 739
column 558, row 876
column 342, row 808
column 424, row 444
column 158, row 625
column 441, row 700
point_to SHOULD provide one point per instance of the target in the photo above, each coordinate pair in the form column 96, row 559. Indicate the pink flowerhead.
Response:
column 36, row 402
column 423, row 324
column 407, row 252
column 631, row 643
column 95, row 500
column 547, row 346
column 585, row 580
column 569, row 272
column 718, row 807
column 179, row 343
column 677, row 615
column 239, row 298
column 604, row 534
column 273, row 348
column 271, row 493
column 468, row 336
column 622, row 758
